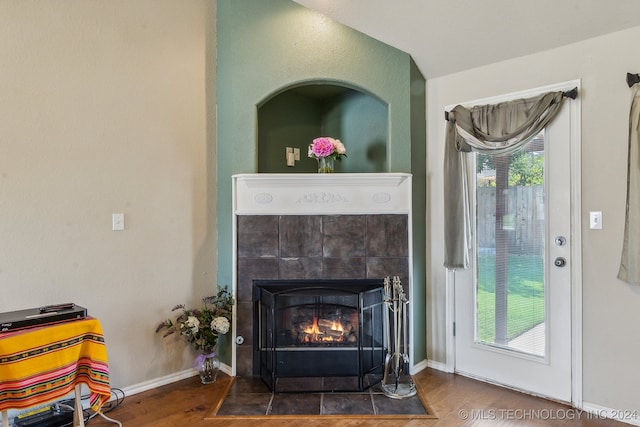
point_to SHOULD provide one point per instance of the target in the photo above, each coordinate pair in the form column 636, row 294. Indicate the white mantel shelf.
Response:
column 318, row 194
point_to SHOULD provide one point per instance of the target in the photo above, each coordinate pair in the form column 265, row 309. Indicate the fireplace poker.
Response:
column 397, row 287
column 387, row 317
column 397, row 358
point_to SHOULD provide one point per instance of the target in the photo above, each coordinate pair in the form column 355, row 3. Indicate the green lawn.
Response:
column 525, row 302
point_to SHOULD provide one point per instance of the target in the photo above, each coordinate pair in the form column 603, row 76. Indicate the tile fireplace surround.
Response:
column 314, row 226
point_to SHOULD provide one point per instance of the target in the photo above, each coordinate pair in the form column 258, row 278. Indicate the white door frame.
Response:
column 576, row 248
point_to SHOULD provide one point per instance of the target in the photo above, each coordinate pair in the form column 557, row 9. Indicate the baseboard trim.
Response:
column 600, row 412
column 167, row 379
column 158, row 382
column 439, row 366
column 419, row 367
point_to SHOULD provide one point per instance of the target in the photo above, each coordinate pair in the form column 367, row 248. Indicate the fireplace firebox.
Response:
column 320, row 335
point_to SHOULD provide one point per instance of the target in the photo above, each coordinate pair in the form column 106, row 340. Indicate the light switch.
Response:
column 595, row 220
column 290, row 156
column 117, row 222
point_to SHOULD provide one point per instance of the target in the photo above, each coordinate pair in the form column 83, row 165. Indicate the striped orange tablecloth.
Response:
column 42, row 364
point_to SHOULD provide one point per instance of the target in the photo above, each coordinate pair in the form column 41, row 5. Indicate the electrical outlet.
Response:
column 289, row 152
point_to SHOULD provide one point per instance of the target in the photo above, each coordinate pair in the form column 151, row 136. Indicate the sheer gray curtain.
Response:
column 489, row 129
column 630, row 262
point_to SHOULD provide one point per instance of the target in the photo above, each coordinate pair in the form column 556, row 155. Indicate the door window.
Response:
column 510, row 249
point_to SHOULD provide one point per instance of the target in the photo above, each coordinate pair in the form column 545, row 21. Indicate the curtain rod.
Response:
column 573, row 93
column 632, row 79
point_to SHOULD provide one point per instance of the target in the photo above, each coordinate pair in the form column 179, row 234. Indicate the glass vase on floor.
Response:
column 208, row 366
column 325, row 165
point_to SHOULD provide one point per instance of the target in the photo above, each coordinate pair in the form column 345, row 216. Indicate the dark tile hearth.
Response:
column 249, row 396
column 270, row 247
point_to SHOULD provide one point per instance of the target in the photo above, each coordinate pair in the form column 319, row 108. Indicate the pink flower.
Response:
column 321, row 147
column 326, row 146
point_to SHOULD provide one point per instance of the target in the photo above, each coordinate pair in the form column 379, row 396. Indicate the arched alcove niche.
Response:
column 297, row 114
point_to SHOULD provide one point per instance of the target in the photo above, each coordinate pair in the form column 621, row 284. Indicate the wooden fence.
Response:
column 524, row 220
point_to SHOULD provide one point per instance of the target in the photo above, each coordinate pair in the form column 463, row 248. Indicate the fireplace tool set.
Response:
column 396, row 381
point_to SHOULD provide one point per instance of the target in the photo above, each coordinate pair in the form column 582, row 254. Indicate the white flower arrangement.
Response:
column 216, row 315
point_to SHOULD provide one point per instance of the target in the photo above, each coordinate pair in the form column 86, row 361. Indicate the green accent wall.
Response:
column 265, row 47
column 419, row 210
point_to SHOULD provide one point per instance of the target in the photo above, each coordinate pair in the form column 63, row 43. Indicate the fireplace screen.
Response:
column 320, row 335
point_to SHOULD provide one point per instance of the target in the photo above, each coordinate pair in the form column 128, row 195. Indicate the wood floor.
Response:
column 454, row 399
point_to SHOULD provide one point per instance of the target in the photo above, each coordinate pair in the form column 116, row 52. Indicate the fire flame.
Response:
column 313, row 333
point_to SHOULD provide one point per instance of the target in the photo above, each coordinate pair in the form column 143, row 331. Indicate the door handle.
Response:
column 560, row 262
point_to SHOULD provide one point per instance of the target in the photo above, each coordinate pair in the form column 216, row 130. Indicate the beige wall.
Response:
column 105, row 107
column 610, row 307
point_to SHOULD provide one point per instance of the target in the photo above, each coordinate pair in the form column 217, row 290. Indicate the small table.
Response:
column 45, row 363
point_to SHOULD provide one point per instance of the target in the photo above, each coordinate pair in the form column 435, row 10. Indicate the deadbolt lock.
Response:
column 560, row 262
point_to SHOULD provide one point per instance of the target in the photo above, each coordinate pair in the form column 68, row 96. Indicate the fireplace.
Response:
column 309, row 227
column 320, row 335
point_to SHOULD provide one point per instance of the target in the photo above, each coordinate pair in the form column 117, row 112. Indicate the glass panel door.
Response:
column 513, row 306
column 510, row 243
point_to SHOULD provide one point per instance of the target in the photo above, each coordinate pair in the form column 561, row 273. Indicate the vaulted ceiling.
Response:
column 446, row 37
